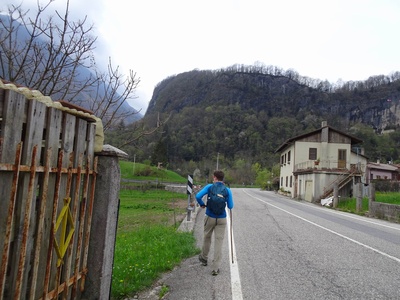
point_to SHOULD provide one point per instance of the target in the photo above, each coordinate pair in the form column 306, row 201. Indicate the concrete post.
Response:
column 104, row 225
column 371, row 195
column 335, row 195
column 359, row 197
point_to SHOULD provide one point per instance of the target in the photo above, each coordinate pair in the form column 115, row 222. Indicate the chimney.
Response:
column 324, row 123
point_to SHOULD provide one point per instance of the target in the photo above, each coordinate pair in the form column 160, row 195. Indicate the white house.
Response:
column 312, row 163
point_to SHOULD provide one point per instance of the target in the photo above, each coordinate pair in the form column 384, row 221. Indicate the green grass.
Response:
column 138, row 171
column 138, row 208
column 148, row 243
column 388, row 197
column 349, row 205
column 143, row 254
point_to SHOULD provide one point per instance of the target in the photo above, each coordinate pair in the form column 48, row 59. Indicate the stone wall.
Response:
column 384, row 211
column 176, row 188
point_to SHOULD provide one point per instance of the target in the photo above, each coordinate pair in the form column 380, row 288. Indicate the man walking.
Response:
column 218, row 197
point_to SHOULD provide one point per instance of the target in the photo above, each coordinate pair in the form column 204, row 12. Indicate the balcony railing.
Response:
column 326, row 165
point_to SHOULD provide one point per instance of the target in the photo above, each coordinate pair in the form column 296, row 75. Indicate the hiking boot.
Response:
column 202, row 260
column 215, row 273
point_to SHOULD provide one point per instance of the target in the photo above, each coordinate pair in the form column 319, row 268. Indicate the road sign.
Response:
column 190, row 185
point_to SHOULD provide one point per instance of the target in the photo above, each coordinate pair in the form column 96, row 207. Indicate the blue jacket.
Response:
column 204, row 191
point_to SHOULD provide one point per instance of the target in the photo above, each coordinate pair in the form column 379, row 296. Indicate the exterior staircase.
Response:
column 342, row 181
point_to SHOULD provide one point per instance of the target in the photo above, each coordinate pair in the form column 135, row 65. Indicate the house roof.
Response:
column 384, row 167
column 290, row 141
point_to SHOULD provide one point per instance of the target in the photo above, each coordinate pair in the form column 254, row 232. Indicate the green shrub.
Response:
column 148, row 243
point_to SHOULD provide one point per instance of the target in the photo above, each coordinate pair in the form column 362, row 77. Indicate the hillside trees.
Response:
column 55, row 56
column 245, row 113
column 267, row 179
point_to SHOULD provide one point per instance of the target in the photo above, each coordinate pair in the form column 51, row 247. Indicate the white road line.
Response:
column 348, row 215
column 235, row 278
column 331, row 231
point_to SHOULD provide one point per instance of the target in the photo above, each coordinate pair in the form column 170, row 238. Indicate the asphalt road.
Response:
column 285, row 249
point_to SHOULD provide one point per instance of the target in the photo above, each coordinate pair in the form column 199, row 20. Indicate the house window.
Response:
column 312, row 153
column 288, row 157
column 342, row 157
column 286, row 181
column 342, row 154
column 282, row 160
column 281, row 181
column 285, row 159
column 290, row 181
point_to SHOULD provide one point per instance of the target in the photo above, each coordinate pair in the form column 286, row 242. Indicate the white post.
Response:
column 134, row 162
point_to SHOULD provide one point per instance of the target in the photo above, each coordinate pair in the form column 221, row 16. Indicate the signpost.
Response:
column 189, row 192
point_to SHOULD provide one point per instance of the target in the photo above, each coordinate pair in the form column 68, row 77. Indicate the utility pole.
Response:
column 217, row 159
column 134, row 162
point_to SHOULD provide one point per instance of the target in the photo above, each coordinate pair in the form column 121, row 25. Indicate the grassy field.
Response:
column 137, row 171
column 389, row 197
column 349, row 205
column 148, row 243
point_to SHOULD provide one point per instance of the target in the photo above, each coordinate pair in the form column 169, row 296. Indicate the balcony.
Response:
column 328, row 166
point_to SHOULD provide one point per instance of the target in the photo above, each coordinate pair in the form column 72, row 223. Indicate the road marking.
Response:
column 329, row 230
column 347, row 215
column 235, row 278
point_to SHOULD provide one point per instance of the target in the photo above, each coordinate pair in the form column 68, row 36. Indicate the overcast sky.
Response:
column 342, row 39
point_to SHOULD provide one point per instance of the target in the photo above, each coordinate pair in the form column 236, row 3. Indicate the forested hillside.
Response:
column 243, row 113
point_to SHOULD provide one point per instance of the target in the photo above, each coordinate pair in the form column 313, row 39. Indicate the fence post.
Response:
column 371, row 193
column 359, row 197
column 189, row 190
column 335, row 195
column 371, row 200
column 104, row 224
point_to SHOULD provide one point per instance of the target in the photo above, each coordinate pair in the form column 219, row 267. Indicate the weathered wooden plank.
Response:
column 81, row 138
column 67, row 136
column 46, row 196
column 90, row 143
column 67, row 146
column 13, row 106
column 51, row 260
column 88, row 225
column 8, row 227
column 2, row 99
column 23, row 260
column 80, row 149
column 11, row 125
column 32, row 137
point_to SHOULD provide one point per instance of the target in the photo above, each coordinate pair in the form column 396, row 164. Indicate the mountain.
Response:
column 246, row 112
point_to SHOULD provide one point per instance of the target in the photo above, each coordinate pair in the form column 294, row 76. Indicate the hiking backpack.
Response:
column 216, row 199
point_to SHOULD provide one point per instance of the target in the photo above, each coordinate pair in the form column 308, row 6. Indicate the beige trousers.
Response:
column 218, row 227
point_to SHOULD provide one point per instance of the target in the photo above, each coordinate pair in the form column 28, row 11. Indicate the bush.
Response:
column 383, row 185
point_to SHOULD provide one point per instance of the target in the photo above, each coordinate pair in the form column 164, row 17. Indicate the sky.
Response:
column 321, row 39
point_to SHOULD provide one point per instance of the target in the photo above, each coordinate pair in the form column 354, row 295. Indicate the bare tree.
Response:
column 133, row 135
column 55, row 56
column 112, row 92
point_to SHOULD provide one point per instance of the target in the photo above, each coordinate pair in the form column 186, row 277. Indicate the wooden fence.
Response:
column 47, row 185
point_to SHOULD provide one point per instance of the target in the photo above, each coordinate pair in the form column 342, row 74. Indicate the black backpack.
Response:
column 216, row 199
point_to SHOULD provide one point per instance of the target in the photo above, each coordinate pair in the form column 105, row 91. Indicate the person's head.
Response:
column 219, row 175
